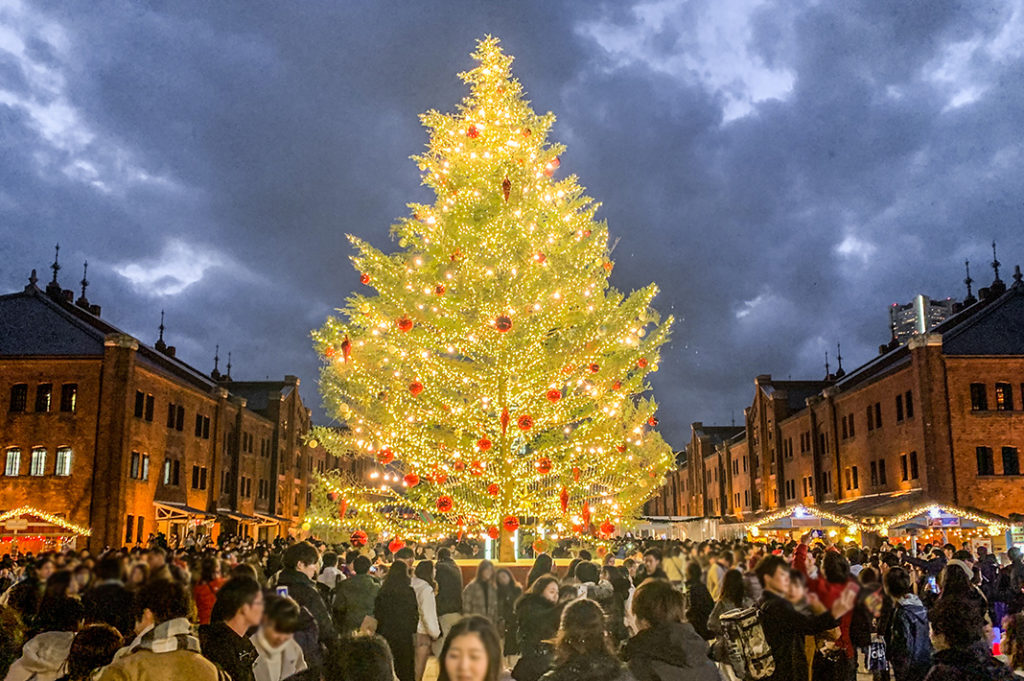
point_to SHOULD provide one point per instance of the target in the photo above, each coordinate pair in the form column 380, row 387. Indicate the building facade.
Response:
column 100, row 431
column 939, row 418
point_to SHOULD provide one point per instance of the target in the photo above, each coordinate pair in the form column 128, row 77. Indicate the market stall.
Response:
column 942, row 524
column 793, row 522
column 30, row 530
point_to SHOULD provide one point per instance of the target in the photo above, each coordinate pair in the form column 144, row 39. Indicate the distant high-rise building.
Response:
column 919, row 315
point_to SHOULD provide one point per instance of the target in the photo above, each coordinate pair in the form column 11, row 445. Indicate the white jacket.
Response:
column 426, row 603
column 43, row 658
column 275, row 664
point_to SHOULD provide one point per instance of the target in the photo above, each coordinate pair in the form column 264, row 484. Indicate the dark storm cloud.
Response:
column 783, row 171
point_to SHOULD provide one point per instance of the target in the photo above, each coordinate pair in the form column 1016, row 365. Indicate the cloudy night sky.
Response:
column 783, row 170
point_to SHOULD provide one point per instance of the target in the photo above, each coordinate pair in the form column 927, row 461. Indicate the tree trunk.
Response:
column 506, row 547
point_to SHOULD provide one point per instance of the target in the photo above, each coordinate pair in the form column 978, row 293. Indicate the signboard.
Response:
column 944, row 521
column 1017, row 535
column 16, row 524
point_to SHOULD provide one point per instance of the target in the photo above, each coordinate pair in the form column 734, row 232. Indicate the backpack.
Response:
column 748, row 649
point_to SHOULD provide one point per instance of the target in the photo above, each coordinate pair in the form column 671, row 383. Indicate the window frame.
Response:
column 63, row 461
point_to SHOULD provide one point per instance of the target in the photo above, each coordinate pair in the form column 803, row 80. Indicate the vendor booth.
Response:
column 31, row 530
column 944, row 524
column 791, row 523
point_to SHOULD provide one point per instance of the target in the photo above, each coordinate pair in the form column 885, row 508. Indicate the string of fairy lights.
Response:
column 46, row 517
column 488, row 366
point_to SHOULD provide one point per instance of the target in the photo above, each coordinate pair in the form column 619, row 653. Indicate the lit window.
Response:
column 12, row 466
column 63, row 467
column 38, row 465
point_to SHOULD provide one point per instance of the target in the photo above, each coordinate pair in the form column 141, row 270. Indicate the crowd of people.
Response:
column 644, row 610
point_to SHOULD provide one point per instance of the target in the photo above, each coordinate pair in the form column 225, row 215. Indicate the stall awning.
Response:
column 875, row 508
column 46, row 518
column 176, row 510
column 267, row 519
column 943, row 516
column 238, row 515
column 802, row 517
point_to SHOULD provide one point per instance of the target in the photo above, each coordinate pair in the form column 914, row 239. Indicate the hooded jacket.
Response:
column 669, row 652
column 43, row 657
column 907, row 641
column 974, row 663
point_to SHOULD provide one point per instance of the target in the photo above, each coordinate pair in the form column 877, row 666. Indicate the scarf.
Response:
column 166, row 637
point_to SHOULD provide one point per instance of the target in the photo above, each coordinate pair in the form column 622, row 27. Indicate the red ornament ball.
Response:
column 444, row 503
column 332, row 496
column 503, row 323
column 396, row 545
column 525, row 422
column 544, row 465
column 620, row 448
column 483, row 444
column 411, row 479
column 460, row 465
column 642, row 362
column 607, row 528
column 540, row 257
column 539, row 546
column 616, row 385
column 329, row 352
column 364, row 278
column 554, row 395
column 476, row 468
column 358, row 538
column 415, row 388
column 652, row 421
column 472, row 132
column 385, row 456
column 595, row 367
column 511, row 523
column 493, row 489
column 493, row 532
column 439, row 289
column 404, row 324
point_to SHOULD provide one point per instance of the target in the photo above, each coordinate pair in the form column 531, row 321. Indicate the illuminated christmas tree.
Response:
column 489, row 367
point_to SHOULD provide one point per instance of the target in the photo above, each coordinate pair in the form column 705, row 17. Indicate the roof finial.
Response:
column 1017, row 276
column 160, row 345
column 32, row 278
column 215, row 374
column 828, row 373
column 56, row 265
column 228, row 374
column 839, row 358
column 998, row 287
column 995, row 261
column 970, row 299
column 84, row 282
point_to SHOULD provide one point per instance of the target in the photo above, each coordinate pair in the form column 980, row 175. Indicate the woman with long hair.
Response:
column 397, row 616
column 205, row 592
column 427, row 628
column 537, row 615
column 542, row 565
column 583, row 651
column 734, row 596
column 508, row 595
column 471, row 652
column 480, row 597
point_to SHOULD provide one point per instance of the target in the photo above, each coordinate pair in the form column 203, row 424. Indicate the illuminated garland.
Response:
column 812, row 511
column 995, row 526
column 48, row 517
column 491, row 371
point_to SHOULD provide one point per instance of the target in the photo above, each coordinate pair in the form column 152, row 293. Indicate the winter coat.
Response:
column 426, row 604
column 43, row 657
column 397, row 618
column 275, row 664
column 507, row 597
column 537, row 621
column 110, row 602
column 669, row 652
column 908, row 645
column 589, row 668
column 968, row 664
column 205, row 595
column 233, row 653
column 603, row 593
column 783, row 626
column 163, row 653
column 481, row 598
column 449, row 587
column 354, row 601
column 304, row 592
column 699, row 607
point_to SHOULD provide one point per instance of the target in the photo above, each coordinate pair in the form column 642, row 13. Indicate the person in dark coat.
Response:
column 537, row 615
column 397, row 615
column 108, row 600
column 582, row 648
column 666, row 648
column 961, row 646
column 908, row 645
column 355, row 596
column 300, row 568
column 225, row 641
column 508, row 594
column 542, row 565
column 782, row 623
column 700, row 602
